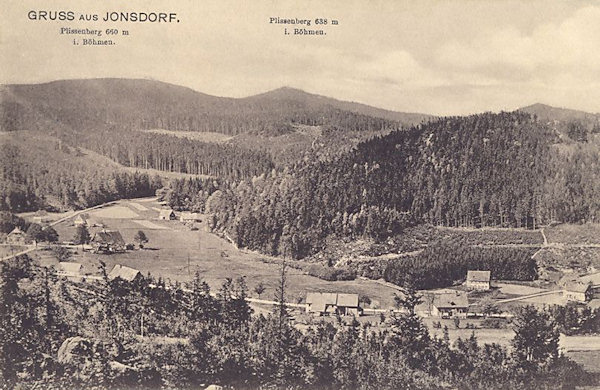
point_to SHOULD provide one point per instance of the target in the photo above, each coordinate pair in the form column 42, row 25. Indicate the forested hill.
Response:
column 79, row 105
column 501, row 170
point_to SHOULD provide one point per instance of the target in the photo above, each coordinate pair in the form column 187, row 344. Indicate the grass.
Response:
column 588, row 233
column 588, row 359
column 169, row 249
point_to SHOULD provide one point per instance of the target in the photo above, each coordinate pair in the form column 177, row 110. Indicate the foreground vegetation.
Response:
column 56, row 334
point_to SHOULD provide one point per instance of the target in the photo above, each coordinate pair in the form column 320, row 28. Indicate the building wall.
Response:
column 478, row 285
column 575, row 296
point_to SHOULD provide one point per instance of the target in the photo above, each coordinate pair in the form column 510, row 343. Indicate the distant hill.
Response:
column 549, row 113
column 575, row 124
column 77, row 105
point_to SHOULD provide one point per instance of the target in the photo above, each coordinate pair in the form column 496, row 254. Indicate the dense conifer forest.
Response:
column 488, row 170
column 45, row 174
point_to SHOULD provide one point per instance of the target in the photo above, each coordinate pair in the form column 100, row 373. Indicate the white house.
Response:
column 478, row 280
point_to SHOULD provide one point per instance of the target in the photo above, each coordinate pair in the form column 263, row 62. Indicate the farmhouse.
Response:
column 332, row 303
column 452, row 304
column 67, row 268
column 594, row 281
column 189, row 217
column 167, row 215
column 577, row 291
column 478, row 280
column 71, row 271
column 80, row 220
column 108, row 241
column 126, row 273
column 17, row 236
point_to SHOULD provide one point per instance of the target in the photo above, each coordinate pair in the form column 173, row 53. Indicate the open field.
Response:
column 588, row 233
column 175, row 252
column 193, row 135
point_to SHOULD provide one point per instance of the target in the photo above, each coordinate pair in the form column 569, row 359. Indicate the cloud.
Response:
column 549, row 55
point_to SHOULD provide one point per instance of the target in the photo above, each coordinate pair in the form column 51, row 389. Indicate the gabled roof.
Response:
column 319, row 301
column 316, row 297
column 166, row 213
column 15, row 231
column 126, row 273
column 591, row 278
column 80, row 218
column 348, row 300
column 478, row 276
column 451, row 300
column 72, row 268
column 577, row 287
column 108, row 237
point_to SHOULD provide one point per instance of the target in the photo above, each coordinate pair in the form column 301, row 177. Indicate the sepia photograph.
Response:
column 290, row 195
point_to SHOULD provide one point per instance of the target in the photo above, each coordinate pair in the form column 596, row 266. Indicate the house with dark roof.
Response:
column 125, row 273
column 108, row 241
column 324, row 303
column 478, row 280
column 16, row 236
column 450, row 304
column 577, row 291
column 167, row 215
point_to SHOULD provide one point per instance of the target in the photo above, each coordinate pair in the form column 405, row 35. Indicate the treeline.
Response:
column 55, row 334
column 483, row 170
column 173, row 154
column 44, row 175
column 445, row 263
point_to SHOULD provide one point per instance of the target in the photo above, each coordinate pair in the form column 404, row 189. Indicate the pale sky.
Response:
column 436, row 57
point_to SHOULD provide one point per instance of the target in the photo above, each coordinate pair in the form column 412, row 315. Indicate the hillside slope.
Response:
column 77, row 105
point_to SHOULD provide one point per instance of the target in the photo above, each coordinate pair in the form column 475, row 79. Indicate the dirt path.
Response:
column 529, row 296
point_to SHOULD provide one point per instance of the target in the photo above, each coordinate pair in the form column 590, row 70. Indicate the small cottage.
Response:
column 16, row 236
column 449, row 305
column 577, row 291
column 125, row 273
column 167, row 215
column 72, row 271
column 478, row 280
